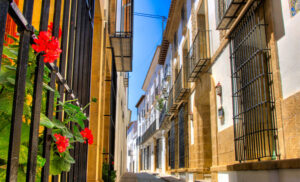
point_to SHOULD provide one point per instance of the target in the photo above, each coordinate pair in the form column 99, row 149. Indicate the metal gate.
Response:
column 72, row 76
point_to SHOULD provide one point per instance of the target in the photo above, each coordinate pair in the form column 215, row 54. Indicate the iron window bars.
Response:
column 197, row 56
column 158, row 153
column 181, row 86
column 227, row 11
column 183, row 136
column 171, row 142
column 149, row 132
column 255, row 130
column 77, row 82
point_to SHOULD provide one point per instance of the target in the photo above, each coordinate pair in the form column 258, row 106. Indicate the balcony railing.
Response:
column 181, row 86
column 138, row 140
column 126, row 76
column 227, row 11
column 163, row 115
column 150, row 131
column 121, row 36
column 198, row 55
column 171, row 104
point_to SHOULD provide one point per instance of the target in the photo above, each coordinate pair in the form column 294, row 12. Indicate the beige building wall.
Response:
column 123, row 117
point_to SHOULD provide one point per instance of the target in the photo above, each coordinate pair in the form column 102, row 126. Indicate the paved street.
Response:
column 145, row 177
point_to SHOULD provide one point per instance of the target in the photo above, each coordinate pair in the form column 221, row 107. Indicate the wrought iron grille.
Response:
column 171, row 142
column 255, row 130
column 181, row 131
column 150, row 131
column 198, row 55
column 158, row 153
column 72, row 74
column 181, row 86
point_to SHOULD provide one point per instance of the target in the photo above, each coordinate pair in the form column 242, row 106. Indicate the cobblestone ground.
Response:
column 145, row 177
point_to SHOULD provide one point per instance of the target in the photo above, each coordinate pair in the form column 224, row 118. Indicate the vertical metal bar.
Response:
column 36, row 106
column 19, row 93
column 49, row 105
column 3, row 15
column 70, row 68
column 56, row 26
column 75, row 80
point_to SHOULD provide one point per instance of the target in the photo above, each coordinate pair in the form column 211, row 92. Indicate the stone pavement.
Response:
column 145, row 177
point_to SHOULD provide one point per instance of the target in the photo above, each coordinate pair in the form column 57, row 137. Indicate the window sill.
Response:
column 263, row 165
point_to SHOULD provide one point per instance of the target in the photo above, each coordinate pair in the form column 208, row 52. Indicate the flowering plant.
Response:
column 62, row 136
column 47, row 44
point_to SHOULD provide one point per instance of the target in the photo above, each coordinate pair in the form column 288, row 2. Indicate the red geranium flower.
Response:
column 87, row 134
column 50, row 29
column 47, row 44
column 62, row 142
column 112, row 163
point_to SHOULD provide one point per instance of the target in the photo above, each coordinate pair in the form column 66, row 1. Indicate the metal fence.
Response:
column 198, row 55
column 181, row 86
column 73, row 76
column 255, row 130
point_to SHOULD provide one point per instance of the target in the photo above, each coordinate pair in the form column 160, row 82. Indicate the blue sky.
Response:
column 147, row 36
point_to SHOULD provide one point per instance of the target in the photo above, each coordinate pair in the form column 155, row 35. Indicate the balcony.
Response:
column 125, row 79
column 198, row 55
column 138, row 140
column 150, row 131
column 181, row 86
column 171, row 105
column 227, row 11
column 163, row 116
column 121, row 36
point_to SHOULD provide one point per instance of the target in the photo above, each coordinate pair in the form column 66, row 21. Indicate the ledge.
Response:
column 264, row 165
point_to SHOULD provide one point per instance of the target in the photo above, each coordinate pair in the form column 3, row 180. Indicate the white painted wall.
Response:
column 289, row 52
column 221, row 72
column 283, row 175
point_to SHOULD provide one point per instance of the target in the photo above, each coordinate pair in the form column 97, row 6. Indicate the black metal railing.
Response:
column 181, row 86
column 198, row 55
column 227, row 11
column 138, row 140
column 255, row 130
column 149, row 132
column 163, row 115
column 73, row 76
column 171, row 105
column 121, row 32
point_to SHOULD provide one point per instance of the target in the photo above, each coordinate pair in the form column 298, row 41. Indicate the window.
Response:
column 175, row 42
column 255, row 129
column 171, row 141
column 182, row 125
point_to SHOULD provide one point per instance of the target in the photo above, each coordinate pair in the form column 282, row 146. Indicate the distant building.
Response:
column 226, row 75
column 131, row 147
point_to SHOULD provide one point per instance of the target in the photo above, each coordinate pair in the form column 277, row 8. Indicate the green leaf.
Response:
column 41, row 161
column 59, row 164
column 45, row 121
column 10, row 67
column 12, row 37
column 11, row 53
column 69, row 158
column 77, row 134
column 11, row 80
column 47, row 87
column 66, row 132
column 58, row 124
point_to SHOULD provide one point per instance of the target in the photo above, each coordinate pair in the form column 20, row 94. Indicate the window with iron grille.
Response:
column 171, row 141
column 255, row 130
column 181, row 132
column 158, row 153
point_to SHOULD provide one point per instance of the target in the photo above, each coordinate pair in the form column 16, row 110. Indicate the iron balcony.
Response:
column 227, row 11
column 181, row 86
column 121, row 35
column 163, row 116
column 198, row 55
column 150, row 131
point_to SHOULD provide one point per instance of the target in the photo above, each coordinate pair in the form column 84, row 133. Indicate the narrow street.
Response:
column 145, row 177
